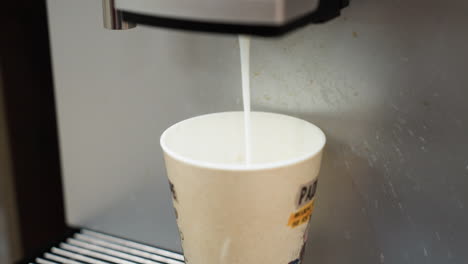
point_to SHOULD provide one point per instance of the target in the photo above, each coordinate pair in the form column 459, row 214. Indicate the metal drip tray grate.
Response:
column 91, row 247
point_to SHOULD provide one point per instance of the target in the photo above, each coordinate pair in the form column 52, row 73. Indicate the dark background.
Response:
column 30, row 109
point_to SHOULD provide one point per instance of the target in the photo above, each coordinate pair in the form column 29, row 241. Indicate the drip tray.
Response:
column 91, row 247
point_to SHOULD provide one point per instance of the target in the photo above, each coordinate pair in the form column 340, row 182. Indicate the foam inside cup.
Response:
column 217, row 141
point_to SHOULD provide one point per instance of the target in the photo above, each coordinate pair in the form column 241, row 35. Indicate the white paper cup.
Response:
column 231, row 213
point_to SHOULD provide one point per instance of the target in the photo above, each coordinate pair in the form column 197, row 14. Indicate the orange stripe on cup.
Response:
column 302, row 215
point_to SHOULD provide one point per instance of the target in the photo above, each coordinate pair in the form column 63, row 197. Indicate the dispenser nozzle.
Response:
column 112, row 17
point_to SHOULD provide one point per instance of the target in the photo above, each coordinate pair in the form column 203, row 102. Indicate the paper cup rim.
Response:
column 241, row 167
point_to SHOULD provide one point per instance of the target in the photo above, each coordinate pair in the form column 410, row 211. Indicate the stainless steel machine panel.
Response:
column 386, row 81
column 243, row 11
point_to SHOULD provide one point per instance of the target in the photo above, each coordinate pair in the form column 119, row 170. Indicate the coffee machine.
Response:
column 262, row 18
column 384, row 79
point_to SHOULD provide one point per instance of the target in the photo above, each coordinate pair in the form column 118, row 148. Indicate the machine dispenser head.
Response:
column 250, row 17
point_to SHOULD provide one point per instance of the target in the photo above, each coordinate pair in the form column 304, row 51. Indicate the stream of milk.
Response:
column 244, row 44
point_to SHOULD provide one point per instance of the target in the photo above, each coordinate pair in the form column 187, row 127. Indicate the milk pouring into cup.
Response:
column 243, row 183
